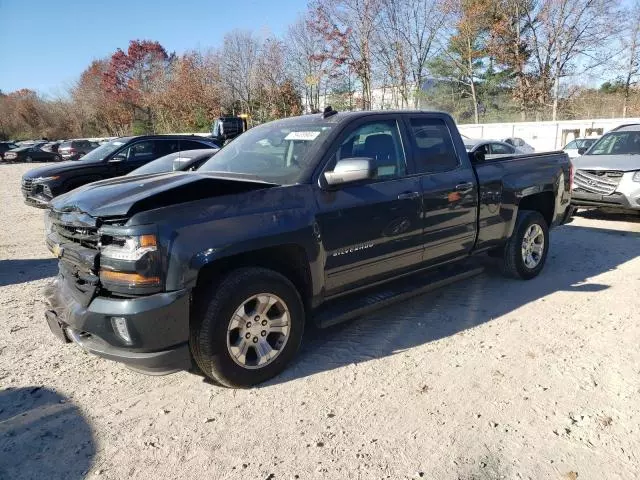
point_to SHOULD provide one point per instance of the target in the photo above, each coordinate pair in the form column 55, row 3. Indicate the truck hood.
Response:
column 56, row 169
column 623, row 163
column 125, row 196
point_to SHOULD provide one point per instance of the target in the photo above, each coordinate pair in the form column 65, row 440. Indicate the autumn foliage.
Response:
column 481, row 60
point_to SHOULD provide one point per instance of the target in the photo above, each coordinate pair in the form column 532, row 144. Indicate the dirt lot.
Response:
column 487, row 379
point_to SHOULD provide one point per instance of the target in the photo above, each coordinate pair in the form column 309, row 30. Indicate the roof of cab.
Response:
column 339, row 117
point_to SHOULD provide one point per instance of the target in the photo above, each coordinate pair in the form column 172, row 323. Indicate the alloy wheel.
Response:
column 533, row 246
column 258, row 331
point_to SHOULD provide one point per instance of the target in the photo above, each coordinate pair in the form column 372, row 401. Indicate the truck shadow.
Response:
column 43, row 435
column 576, row 256
column 13, row 272
column 610, row 215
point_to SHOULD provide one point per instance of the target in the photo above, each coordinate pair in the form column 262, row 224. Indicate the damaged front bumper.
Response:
column 157, row 327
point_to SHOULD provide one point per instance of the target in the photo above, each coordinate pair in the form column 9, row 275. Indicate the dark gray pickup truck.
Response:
column 316, row 218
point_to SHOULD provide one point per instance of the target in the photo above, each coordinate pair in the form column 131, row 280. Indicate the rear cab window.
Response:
column 434, row 151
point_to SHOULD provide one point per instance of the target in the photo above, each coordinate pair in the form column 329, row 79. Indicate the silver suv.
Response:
column 608, row 173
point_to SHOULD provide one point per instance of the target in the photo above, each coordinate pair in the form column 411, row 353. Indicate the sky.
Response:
column 46, row 44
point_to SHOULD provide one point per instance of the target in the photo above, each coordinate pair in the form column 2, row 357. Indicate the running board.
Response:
column 358, row 304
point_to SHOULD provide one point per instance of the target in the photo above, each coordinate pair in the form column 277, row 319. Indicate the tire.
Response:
column 514, row 260
column 28, row 159
column 57, row 158
column 212, row 338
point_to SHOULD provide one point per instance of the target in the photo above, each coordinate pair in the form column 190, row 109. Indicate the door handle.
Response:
column 464, row 187
column 409, row 195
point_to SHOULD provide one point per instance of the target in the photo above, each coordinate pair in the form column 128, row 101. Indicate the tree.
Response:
column 568, row 37
column 462, row 59
column 239, row 58
column 349, row 27
column 131, row 77
column 631, row 45
column 405, row 43
column 308, row 60
column 508, row 45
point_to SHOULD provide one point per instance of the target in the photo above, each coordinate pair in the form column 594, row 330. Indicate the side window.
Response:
column 165, row 147
column 192, row 145
column 499, row 149
column 434, row 147
column 484, row 149
column 140, row 151
column 380, row 141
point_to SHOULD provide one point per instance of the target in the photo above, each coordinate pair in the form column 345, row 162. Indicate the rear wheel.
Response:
column 525, row 253
column 57, row 158
column 247, row 328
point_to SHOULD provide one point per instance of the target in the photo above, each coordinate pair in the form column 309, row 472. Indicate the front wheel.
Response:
column 28, row 159
column 246, row 329
column 526, row 251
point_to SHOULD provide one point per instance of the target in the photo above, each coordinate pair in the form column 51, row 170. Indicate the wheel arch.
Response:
column 542, row 202
column 290, row 260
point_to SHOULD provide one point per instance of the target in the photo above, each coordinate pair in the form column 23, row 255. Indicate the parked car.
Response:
column 573, row 147
column 112, row 159
column 31, row 153
column 520, row 144
column 51, row 147
column 225, row 129
column 608, row 174
column 76, row 149
column 176, row 162
column 490, row 147
column 5, row 147
column 315, row 218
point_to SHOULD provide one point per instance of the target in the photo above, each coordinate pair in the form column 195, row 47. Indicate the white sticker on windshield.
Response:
column 309, row 136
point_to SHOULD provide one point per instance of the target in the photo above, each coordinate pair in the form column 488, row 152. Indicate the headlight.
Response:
column 130, row 248
column 48, row 224
column 636, row 176
column 130, row 263
column 45, row 179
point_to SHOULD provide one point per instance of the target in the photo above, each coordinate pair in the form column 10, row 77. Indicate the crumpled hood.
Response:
column 124, row 196
column 624, row 163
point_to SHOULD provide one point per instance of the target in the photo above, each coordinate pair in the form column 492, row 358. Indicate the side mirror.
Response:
column 477, row 157
column 581, row 150
column 120, row 157
column 350, row 170
column 179, row 163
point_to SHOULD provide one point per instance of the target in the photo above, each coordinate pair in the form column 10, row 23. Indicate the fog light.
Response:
column 120, row 327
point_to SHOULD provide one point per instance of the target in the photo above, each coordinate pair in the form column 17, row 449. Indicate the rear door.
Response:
column 448, row 186
column 145, row 151
column 371, row 230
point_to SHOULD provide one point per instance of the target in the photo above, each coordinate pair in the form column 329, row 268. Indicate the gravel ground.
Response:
column 487, row 379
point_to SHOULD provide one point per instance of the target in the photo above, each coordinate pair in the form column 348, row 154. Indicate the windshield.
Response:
column 163, row 164
column 617, row 143
column 579, row 143
column 102, row 151
column 274, row 152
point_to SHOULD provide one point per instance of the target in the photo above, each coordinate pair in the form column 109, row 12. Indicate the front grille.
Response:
column 86, row 236
column 27, row 185
column 597, row 181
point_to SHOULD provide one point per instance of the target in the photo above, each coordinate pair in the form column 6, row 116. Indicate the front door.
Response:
column 370, row 230
column 145, row 151
column 449, row 189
